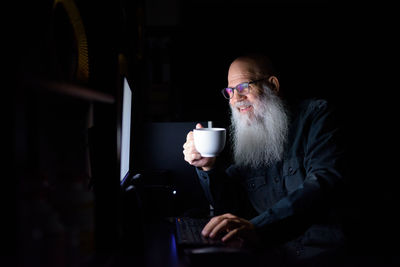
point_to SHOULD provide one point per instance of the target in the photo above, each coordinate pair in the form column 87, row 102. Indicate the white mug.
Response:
column 209, row 142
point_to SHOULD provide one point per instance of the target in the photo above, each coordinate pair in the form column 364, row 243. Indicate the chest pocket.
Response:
column 255, row 183
column 260, row 195
column 293, row 174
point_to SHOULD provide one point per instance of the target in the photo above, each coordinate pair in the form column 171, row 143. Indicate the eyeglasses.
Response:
column 241, row 89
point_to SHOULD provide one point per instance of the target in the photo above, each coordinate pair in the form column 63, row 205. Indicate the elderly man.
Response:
column 286, row 177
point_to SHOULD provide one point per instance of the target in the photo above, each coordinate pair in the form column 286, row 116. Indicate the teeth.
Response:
column 243, row 105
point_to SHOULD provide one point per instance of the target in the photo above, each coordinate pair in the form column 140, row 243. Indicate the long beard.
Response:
column 259, row 139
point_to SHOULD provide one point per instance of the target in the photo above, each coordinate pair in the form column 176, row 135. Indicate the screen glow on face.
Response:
column 240, row 88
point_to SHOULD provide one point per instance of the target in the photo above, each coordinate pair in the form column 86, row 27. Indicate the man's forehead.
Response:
column 238, row 78
column 243, row 70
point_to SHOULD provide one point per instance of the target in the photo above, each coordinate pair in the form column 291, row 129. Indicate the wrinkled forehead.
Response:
column 243, row 70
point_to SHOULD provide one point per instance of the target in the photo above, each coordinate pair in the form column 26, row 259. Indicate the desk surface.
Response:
column 161, row 250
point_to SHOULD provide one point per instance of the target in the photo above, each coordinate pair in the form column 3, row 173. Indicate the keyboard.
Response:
column 188, row 233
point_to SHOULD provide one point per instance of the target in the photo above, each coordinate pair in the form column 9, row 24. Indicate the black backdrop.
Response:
column 179, row 54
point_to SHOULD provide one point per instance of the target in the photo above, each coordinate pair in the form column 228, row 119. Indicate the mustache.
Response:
column 244, row 103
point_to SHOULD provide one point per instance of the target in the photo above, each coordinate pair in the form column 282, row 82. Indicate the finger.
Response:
column 189, row 157
column 196, row 156
column 194, row 159
column 210, row 225
column 187, row 145
column 186, row 157
column 223, row 225
column 198, row 126
column 214, row 222
column 189, row 149
column 231, row 234
column 227, row 224
column 189, row 136
column 191, row 152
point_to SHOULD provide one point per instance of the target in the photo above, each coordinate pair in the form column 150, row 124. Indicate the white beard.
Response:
column 259, row 140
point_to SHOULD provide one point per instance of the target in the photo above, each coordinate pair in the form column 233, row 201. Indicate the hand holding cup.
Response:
column 204, row 154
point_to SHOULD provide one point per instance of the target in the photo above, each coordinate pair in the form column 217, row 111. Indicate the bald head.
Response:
column 249, row 67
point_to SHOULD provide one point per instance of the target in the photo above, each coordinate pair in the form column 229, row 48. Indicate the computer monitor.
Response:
column 124, row 131
column 125, row 134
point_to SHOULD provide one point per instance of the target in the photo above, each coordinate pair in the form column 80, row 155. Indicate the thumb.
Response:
column 198, row 125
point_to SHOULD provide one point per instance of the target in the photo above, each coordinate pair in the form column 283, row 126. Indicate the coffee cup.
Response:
column 209, row 142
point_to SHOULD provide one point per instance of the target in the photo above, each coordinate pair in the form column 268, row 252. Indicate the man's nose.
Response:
column 238, row 97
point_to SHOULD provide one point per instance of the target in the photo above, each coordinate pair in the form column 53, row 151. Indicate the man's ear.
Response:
column 274, row 84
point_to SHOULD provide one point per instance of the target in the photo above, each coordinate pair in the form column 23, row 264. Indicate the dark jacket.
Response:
column 295, row 201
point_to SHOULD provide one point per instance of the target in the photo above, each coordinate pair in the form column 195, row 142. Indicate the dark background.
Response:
column 178, row 53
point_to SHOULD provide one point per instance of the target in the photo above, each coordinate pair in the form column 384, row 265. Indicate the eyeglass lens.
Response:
column 240, row 88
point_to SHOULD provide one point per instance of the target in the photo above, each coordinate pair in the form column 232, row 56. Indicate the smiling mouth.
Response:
column 243, row 109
